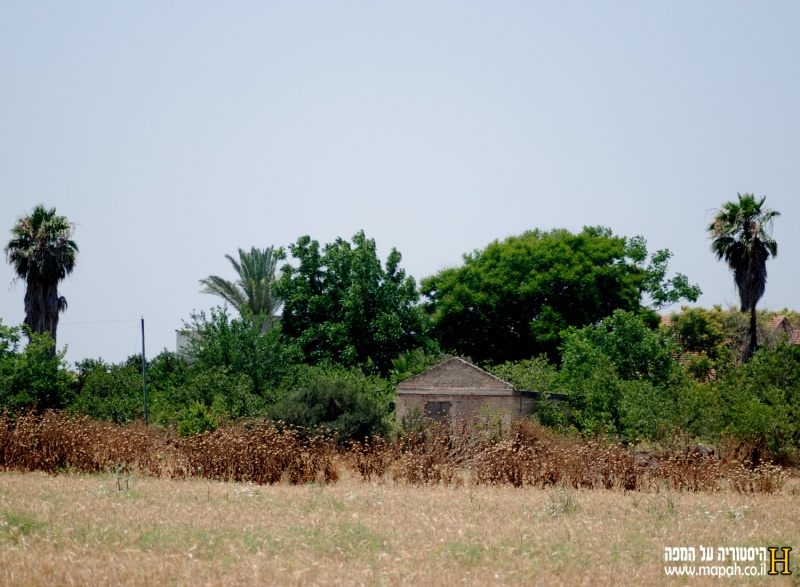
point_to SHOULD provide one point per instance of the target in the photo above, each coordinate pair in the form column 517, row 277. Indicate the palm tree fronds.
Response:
column 741, row 234
column 225, row 289
column 255, row 287
column 42, row 253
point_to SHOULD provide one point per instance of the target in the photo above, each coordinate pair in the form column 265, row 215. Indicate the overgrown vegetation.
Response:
column 353, row 327
column 437, row 453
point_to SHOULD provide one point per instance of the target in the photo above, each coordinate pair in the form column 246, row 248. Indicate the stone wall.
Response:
column 457, row 406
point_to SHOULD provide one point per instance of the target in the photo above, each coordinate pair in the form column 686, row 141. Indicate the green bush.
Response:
column 620, row 377
column 345, row 402
column 700, row 410
column 589, row 379
column 196, row 419
column 644, row 409
column 227, row 395
column 537, row 375
column 235, row 346
column 109, row 392
column 32, row 377
column 761, row 400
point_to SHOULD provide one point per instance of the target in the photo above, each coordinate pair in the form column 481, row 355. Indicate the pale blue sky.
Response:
column 172, row 133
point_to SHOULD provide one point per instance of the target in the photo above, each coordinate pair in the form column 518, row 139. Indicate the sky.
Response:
column 174, row 133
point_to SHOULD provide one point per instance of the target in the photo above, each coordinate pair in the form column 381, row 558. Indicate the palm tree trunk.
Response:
column 41, row 310
column 752, row 347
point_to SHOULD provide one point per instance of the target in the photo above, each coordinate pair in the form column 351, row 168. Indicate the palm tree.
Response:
column 42, row 253
column 741, row 234
column 255, row 288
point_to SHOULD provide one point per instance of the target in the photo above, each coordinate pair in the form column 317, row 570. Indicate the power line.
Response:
column 97, row 322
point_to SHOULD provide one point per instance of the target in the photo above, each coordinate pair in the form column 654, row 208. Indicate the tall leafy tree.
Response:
column 342, row 305
column 741, row 234
column 255, row 288
column 658, row 291
column 511, row 300
column 42, row 253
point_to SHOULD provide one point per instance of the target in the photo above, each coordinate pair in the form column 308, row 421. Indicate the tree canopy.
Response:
column 42, row 253
column 620, row 376
column 342, row 305
column 511, row 300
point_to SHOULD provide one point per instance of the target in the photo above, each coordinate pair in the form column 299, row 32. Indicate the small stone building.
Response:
column 457, row 389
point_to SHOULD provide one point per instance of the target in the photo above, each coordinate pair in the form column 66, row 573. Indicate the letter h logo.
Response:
column 774, row 560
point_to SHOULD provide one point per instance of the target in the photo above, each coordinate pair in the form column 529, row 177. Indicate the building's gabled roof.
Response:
column 454, row 374
column 780, row 323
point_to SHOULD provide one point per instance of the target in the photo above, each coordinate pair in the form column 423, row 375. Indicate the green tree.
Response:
column 698, row 330
column 255, row 288
column 342, row 305
column 166, row 371
column 535, row 374
column 511, row 300
column 42, row 253
column 233, row 346
column 414, row 362
column 707, row 339
column 657, row 291
column 620, row 376
column 538, row 375
column 741, row 235
column 761, row 400
column 108, row 392
column 34, row 377
column 637, row 351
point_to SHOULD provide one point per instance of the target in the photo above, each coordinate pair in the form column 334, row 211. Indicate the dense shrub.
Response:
column 348, row 403
column 438, row 453
column 261, row 453
column 224, row 396
column 761, row 400
column 56, row 441
column 109, row 392
column 235, row 346
column 621, row 377
column 32, row 377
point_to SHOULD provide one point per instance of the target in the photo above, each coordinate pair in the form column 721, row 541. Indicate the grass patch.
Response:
column 469, row 551
column 346, row 539
column 562, row 502
column 16, row 525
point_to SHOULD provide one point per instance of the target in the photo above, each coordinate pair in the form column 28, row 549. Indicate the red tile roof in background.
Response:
column 775, row 323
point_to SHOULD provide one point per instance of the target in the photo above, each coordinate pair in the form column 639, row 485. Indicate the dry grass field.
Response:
column 90, row 503
column 79, row 529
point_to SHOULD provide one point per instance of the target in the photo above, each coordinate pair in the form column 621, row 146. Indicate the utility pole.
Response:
column 144, row 376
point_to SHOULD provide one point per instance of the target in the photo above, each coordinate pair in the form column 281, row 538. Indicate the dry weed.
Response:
column 438, row 453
